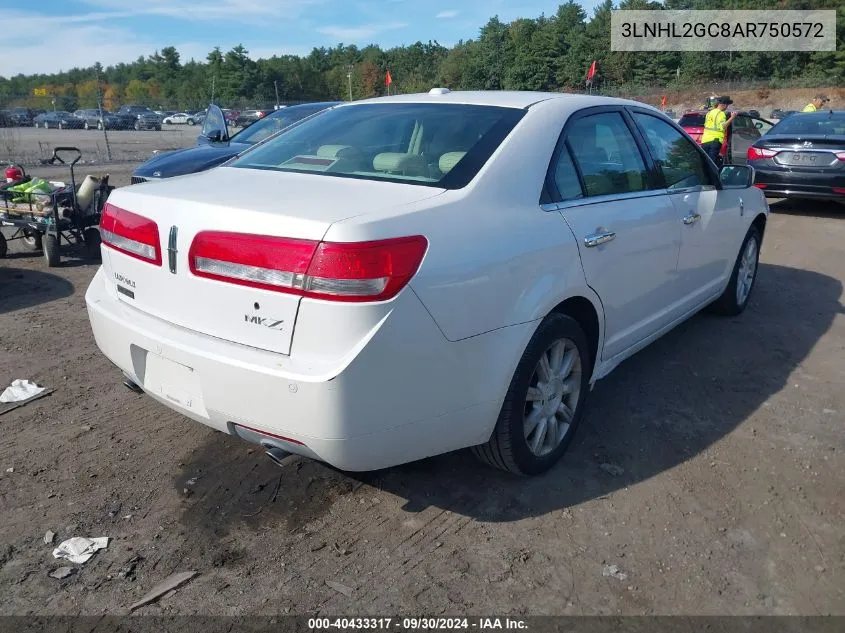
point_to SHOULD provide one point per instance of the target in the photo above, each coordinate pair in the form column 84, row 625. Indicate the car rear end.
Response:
column 802, row 157
column 244, row 299
column 693, row 124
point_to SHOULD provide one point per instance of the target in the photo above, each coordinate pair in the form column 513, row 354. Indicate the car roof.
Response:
column 502, row 98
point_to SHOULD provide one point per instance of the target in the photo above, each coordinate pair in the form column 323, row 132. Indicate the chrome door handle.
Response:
column 692, row 218
column 599, row 238
column 741, row 206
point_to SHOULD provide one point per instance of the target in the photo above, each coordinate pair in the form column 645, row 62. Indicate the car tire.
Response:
column 61, row 125
column 137, row 126
column 51, row 250
column 735, row 298
column 4, row 246
column 86, row 126
column 99, row 125
column 559, row 345
column 191, row 122
column 158, row 128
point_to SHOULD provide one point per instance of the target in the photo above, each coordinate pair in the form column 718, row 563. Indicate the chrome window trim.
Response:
column 615, row 197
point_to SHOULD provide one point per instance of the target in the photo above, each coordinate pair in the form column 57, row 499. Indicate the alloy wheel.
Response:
column 552, row 397
column 747, row 271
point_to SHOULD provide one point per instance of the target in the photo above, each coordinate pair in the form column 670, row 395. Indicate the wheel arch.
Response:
column 588, row 315
column 760, row 223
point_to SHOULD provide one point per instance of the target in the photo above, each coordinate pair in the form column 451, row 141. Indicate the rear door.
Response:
column 628, row 232
column 710, row 219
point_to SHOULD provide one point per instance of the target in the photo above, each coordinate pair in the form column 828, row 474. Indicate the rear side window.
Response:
column 607, row 155
column 680, row 161
column 566, row 178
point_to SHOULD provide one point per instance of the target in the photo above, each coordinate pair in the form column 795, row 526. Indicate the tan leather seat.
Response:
column 330, row 151
column 448, row 161
column 400, row 163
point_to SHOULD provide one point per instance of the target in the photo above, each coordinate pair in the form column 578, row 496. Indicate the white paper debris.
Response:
column 79, row 550
column 612, row 571
column 20, row 390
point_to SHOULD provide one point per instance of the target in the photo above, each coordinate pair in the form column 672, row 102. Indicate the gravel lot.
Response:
column 28, row 145
column 709, row 469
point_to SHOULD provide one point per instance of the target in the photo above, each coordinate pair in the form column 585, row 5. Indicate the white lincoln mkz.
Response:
column 406, row 276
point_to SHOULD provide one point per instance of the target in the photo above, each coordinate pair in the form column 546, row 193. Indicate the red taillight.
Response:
column 355, row 271
column 759, row 186
column 756, row 153
column 840, row 155
column 838, row 190
column 131, row 234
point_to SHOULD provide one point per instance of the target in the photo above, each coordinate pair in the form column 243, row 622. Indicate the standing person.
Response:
column 715, row 126
column 816, row 104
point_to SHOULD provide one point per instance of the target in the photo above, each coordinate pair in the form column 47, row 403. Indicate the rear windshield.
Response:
column 692, row 120
column 273, row 123
column 815, row 123
column 437, row 145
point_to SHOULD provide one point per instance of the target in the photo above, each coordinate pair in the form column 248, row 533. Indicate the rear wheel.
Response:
column 191, row 122
column 61, row 125
column 4, row 247
column 544, row 402
column 99, row 125
column 735, row 298
column 137, row 125
column 86, row 126
column 51, row 250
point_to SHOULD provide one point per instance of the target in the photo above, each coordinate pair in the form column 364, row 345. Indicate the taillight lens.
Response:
column 355, row 271
column 756, row 153
column 131, row 234
column 840, row 155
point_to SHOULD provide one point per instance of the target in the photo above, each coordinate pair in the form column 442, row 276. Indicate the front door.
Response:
column 708, row 216
column 628, row 233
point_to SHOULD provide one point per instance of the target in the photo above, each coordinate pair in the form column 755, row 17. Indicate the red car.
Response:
column 742, row 133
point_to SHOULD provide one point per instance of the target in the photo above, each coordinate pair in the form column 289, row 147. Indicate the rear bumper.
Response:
column 785, row 183
column 407, row 394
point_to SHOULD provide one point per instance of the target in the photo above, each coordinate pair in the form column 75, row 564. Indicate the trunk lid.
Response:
column 806, row 152
column 300, row 206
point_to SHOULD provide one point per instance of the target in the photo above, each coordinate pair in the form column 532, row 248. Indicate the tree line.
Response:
column 543, row 53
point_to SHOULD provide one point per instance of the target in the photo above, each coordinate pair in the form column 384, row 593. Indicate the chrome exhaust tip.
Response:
column 131, row 384
column 276, row 454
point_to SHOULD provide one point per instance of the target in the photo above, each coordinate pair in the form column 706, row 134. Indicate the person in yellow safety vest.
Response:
column 816, row 104
column 715, row 125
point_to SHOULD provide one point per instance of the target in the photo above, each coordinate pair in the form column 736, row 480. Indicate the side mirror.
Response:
column 736, row 176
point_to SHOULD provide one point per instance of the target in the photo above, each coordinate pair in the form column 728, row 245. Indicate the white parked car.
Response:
column 411, row 275
column 180, row 119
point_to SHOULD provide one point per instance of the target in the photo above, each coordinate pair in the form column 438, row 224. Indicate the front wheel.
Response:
column 99, row 125
column 61, row 125
column 137, row 125
column 735, row 298
column 544, row 402
column 86, row 126
column 191, row 122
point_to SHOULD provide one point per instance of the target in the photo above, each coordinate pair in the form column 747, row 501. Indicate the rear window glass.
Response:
column 692, row 120
column 269, row 125
column 815, row 123
column 437, row 145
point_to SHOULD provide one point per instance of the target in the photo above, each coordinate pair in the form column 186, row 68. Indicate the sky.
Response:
column 56, row 35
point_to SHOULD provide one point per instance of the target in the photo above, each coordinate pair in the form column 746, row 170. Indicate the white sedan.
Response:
column 406, row 276
column 180, row 119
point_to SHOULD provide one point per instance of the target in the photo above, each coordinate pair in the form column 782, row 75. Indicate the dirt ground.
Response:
column 709, row 470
